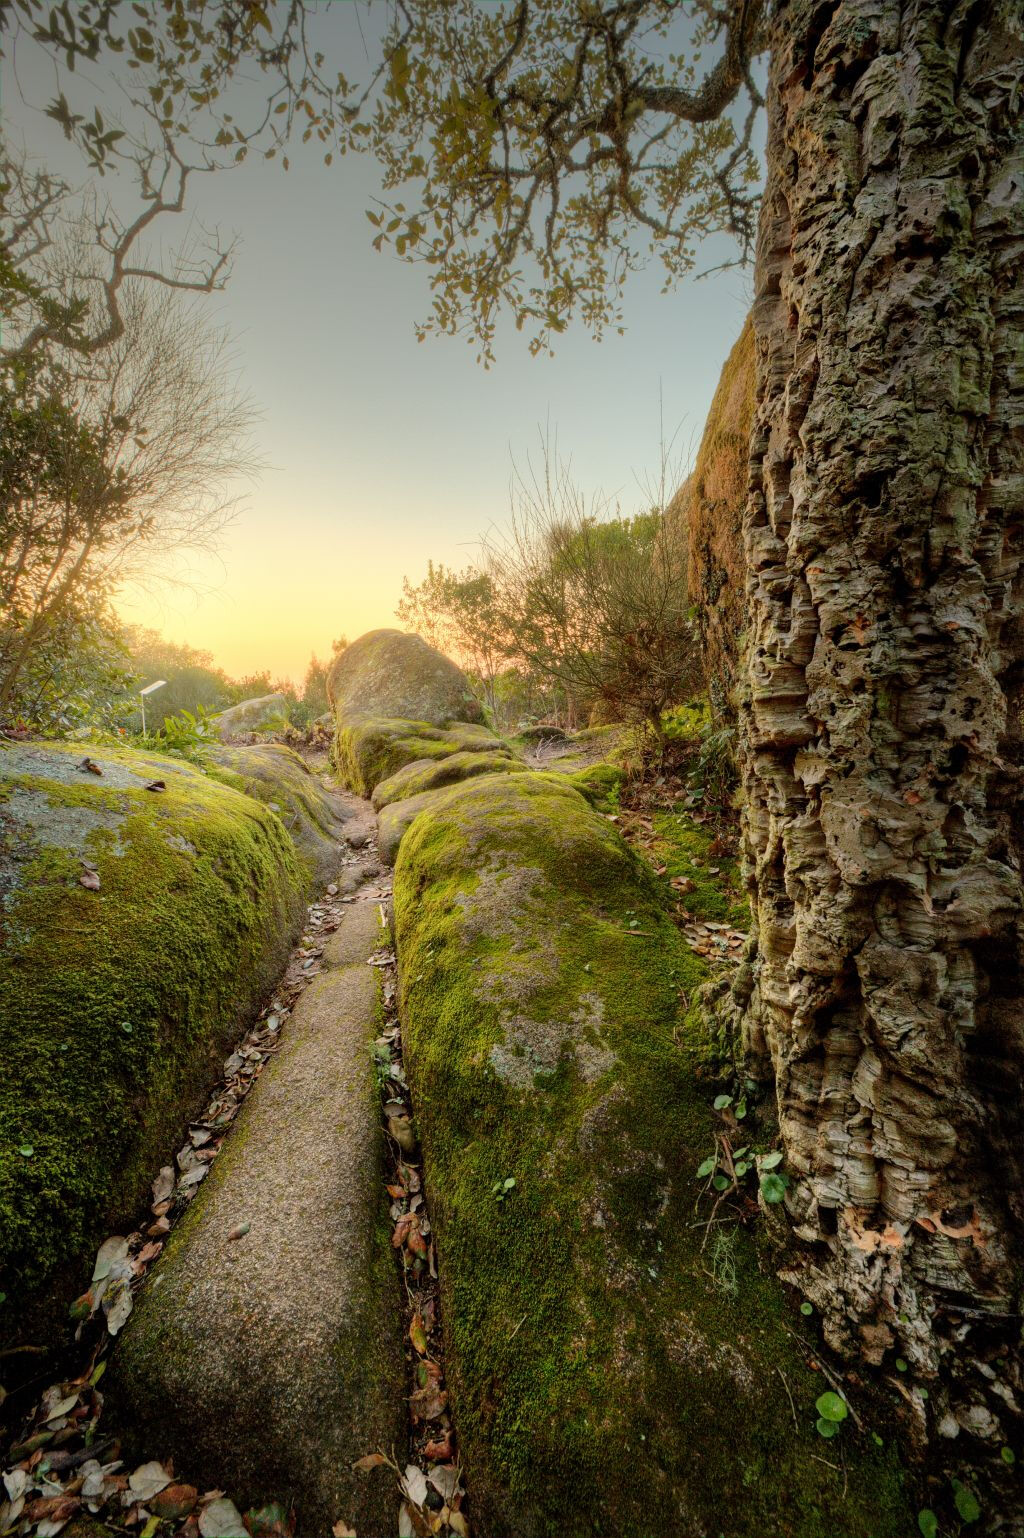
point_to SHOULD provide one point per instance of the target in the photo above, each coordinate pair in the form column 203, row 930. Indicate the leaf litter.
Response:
column 59, row 1464
column 430, row 1482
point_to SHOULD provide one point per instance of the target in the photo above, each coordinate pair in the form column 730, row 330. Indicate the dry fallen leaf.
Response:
column 339, row 1530
column 90, row 880
column 370, row 1461
column 417, row 1334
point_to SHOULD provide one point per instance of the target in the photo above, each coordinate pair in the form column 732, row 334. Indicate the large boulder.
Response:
column 145, row 911
column 267, row 1364
column 250, row 715
column 614, row 1367
column 389, row 673
column 371, row 749
column 709, row 508
column 314, row 816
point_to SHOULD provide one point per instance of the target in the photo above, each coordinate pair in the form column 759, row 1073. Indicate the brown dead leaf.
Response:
column 426, row 1404
column 157, row 785
column 339, row 1530
column 440, row 1451
column 370, row 1461
column 402, row 1228
column 148, row 1252
column 90, row 880
column 91, row 765
column 174, row 1503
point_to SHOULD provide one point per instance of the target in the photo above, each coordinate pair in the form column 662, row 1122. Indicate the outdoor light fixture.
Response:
column 149, row 689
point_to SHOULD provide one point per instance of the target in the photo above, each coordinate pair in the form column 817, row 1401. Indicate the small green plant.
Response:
column 928, row 1522
column 832, row 1411
column 184, row 732
column 502, row 1189
column 722, row 1258
column 966, row 1502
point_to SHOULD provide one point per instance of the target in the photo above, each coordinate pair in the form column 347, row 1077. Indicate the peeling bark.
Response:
column 881, row 724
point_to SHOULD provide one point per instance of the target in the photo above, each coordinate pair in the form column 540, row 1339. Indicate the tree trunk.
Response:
column 881, row 728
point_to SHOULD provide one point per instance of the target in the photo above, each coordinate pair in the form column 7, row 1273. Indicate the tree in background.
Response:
column 114, row 457
column 461, row 613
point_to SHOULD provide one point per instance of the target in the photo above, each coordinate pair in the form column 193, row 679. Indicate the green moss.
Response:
column 684, row 848
column 369, row 750
column 430, row 774
column 602, row 1383
column 277, row 776
column 118, row 1003
column 601, row 784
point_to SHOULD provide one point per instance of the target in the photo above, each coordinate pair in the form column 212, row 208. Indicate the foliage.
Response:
column 537, row 138
column 113, row 458
column 75, row 676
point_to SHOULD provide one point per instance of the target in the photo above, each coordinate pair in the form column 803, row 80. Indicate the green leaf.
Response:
column 722, row 1101
column 707, row 1168
column 721, row 1183
column 742, row 1168
column 807, row 1309
column 832, row 1407
column 741, row 1110
column 26, row 1150
column 773, row 1187
column 771, row 1161
column 928, row 1522
column 826, row 1428
column 1007, row 1454
column 901, row 1365
column 966, row 1502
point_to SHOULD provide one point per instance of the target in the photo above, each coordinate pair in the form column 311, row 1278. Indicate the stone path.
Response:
column 267, row 1363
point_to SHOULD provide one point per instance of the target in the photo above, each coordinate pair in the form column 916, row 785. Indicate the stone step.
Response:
column 267, row 1364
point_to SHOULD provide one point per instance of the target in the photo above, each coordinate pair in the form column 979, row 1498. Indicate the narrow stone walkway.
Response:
column 266, row 1352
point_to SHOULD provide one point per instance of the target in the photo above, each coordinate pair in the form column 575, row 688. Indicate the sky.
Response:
column 380, row 452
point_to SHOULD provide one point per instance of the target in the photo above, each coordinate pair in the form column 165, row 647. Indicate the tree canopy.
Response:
column 542, row 149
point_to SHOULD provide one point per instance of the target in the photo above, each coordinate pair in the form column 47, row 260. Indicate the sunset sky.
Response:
column 383, row 452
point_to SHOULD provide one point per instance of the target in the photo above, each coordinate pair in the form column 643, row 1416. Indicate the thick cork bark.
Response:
column 881, row 726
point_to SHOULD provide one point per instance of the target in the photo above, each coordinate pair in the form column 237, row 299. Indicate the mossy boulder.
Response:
column 607, row 1377
column 268, row 1363
column 430, row 774
column 117, row 1003
column 250, row 715
column 371, row 749
column 314, row 817
column 390, row 673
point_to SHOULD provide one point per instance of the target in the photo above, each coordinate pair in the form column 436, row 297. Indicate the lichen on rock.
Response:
column 601, row 1380
column 313, row 817
column 390, row 673
column 117, row 1003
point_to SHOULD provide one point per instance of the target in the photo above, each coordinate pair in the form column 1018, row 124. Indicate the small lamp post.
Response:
column 149, row 689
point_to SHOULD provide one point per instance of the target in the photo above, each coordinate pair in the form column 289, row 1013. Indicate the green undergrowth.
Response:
column 604, row 1380
column 117, row 1003
column 684, row 847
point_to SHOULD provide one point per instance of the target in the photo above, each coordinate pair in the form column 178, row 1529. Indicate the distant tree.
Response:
column 461, row 614
column 112, row 461
column 598, row 604
column 314, row 687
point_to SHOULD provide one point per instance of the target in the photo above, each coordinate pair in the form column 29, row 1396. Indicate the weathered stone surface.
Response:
column 709, row 507
column 248, row 715
column 315, row 817
column 117, row 1004
column 266, row 1365
column 390, row 673
column 881, row 723
column 601, row 1381
column 429, row 774
column 370, row 750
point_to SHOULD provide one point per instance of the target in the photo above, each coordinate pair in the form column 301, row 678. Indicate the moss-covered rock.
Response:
column 117, row 1004
column 369, row 750
column 390, row 673
column 314, row 818
column 429, row 773
column 607, row 1376
column 250, row 715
